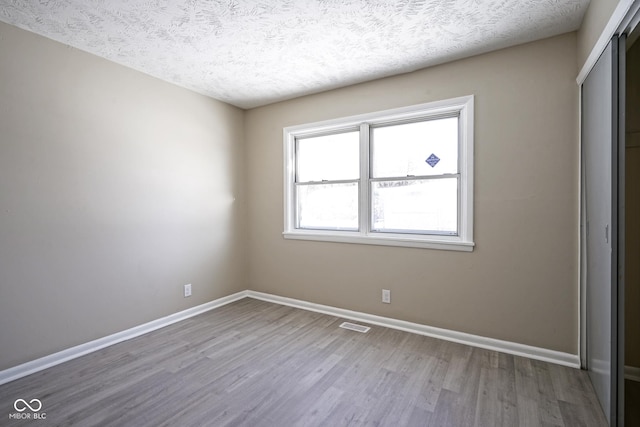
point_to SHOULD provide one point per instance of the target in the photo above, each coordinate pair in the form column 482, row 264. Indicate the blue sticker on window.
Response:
column 433, row 160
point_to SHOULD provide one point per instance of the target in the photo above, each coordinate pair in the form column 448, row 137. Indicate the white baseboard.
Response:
column 523, row 350
column 33, row 366
column 537, row 353
column 632, row 373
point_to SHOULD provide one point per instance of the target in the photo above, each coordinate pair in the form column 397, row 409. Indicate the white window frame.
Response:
column 463, row 241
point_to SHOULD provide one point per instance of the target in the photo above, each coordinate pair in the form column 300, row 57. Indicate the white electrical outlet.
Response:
column 386, row 296
column 187, row 290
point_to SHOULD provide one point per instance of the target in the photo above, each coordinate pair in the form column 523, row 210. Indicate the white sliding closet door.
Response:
column 600, row 138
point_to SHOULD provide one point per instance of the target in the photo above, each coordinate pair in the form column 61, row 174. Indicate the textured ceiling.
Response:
column 254, row 52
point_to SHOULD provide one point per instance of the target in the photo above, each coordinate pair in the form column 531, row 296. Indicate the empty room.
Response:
column 313, row 212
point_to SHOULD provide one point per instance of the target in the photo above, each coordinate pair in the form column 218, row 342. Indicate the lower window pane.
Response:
column 328, row 206
column 428, row 206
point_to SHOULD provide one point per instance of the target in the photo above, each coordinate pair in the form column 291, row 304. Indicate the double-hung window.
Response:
column 401, row 177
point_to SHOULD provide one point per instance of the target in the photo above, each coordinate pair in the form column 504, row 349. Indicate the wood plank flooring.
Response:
column 253, row 363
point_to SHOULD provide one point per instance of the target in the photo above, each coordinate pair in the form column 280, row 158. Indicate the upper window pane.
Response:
column 329, row 157
column 415, row 149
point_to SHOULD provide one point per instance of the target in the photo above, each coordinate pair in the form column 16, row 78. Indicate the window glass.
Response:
column 329, row 157
column 415, row 149
column 427, row 206
column 328, row 206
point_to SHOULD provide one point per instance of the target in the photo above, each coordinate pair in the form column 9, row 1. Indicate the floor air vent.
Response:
column 354, row 327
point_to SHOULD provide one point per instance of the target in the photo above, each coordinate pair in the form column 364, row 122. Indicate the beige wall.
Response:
column 115, row 190
column 595, row 19
column 632, row 189
column 520, row 284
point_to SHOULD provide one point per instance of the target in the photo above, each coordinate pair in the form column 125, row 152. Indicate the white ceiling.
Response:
column 255, row 52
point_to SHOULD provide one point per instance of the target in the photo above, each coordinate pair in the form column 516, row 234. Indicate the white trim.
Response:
column 365, row 195
column 463, row 106
column 617, row 18
column 54, row 359
column 400, row 240
column 632, row 373
column 537, row 353
column 523, row 350
column 582, row 251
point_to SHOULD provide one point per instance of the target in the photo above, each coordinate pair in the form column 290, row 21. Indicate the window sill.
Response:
column 395, row 240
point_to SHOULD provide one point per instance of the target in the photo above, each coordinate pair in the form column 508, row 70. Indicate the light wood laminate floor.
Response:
column 253, row 363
